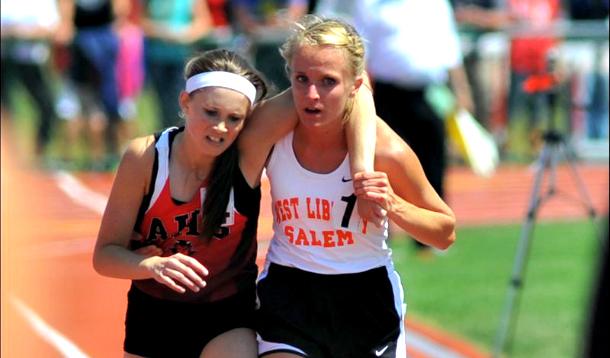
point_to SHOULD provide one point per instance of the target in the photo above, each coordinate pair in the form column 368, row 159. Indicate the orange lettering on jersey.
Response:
column 320, row 211
column 314, row 239
column 286, row 207
column 344, row 237
column 325, row 210
column 295, row 206
column 279, row 213
column 289, row 231
column 328, row 238
column 302, row 238
column 310, row 213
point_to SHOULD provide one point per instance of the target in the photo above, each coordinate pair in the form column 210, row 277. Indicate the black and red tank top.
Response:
column 172, row 225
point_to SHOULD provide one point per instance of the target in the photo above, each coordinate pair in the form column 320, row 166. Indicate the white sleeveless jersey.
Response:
column 316, row 225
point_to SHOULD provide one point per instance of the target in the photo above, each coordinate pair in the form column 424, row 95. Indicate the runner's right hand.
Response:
column 177, row 272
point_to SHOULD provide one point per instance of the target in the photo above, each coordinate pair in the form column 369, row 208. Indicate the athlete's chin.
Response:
column 216, row 150
column 314, row 120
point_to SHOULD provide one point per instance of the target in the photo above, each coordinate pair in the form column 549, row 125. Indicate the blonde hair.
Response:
column 313, row 30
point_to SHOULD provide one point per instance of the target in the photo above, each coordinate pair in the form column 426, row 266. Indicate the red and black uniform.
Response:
column 228, row 300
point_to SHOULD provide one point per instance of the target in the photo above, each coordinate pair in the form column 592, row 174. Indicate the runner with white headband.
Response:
column 192, row 193
column 222, row 79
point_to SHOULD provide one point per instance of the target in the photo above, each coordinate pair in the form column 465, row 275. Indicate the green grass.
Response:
column 463, row 291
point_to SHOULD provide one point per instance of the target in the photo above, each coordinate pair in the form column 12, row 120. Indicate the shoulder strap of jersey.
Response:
column 151, row 186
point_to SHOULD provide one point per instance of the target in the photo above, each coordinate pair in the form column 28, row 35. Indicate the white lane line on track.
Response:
column 63, row 248
column 430, row 348
column 48, row 333
column 80, row 193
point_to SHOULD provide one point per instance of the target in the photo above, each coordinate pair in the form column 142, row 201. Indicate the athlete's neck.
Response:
column 324, row 138
column 189, row 160
column 319, row 150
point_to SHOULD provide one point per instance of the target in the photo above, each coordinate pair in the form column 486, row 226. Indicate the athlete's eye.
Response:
column 329, row 81
column 301, row 79
column 211, row 112
column 235, row 119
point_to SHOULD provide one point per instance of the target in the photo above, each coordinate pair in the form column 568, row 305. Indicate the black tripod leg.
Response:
column 580, row 184
column 507, row 322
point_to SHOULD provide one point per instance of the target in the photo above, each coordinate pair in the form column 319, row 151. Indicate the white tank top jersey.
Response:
column 316, row 225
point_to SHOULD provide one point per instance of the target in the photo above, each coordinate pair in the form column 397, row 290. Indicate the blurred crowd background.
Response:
column 93, row 73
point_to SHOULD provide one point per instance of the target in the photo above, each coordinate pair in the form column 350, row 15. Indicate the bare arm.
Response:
column 360, row 130
column 461, row 88
column 202, row 22
column 65, row 30
column 270, row 120
column 401, row 187
column 112, row 256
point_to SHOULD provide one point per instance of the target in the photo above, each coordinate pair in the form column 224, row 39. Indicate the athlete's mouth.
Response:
column 312, row 110
column 215, row 139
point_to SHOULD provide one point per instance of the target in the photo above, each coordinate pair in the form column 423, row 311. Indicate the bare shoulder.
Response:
column 391, row 150
column 137, row 162
column 140, row 149
column 405, row 173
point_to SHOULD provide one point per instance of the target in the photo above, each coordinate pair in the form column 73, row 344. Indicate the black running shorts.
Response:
column 335, row 316
column 163, row 328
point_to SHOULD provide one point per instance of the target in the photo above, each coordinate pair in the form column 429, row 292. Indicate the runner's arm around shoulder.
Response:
column 269, row 122
column 112, row 256
column 360, row 129
column 411, row 201
column 360, row 132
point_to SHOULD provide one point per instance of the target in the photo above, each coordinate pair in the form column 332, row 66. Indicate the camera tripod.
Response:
column 554, row 146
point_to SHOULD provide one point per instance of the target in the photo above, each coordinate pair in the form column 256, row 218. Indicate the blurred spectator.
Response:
column 26, row 31
column 265, row 24
column 87, row 27
column 593, row 81
column 171, row 28
column 531, row 51
column 412, row 46
column 477, row 18
column 221, row 34
column 219, row 10
column 130, row 67
column 482, row 14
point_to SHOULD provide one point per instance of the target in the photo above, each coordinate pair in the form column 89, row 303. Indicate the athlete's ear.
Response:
column 184, row 101
column 357, row 83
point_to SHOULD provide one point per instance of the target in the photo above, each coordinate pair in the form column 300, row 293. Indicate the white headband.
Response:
column 222, row 79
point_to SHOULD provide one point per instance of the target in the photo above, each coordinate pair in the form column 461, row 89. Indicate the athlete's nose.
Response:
column 312, row 92
column 221, row 126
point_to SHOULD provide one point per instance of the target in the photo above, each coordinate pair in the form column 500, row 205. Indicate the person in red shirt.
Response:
column 531, row 48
